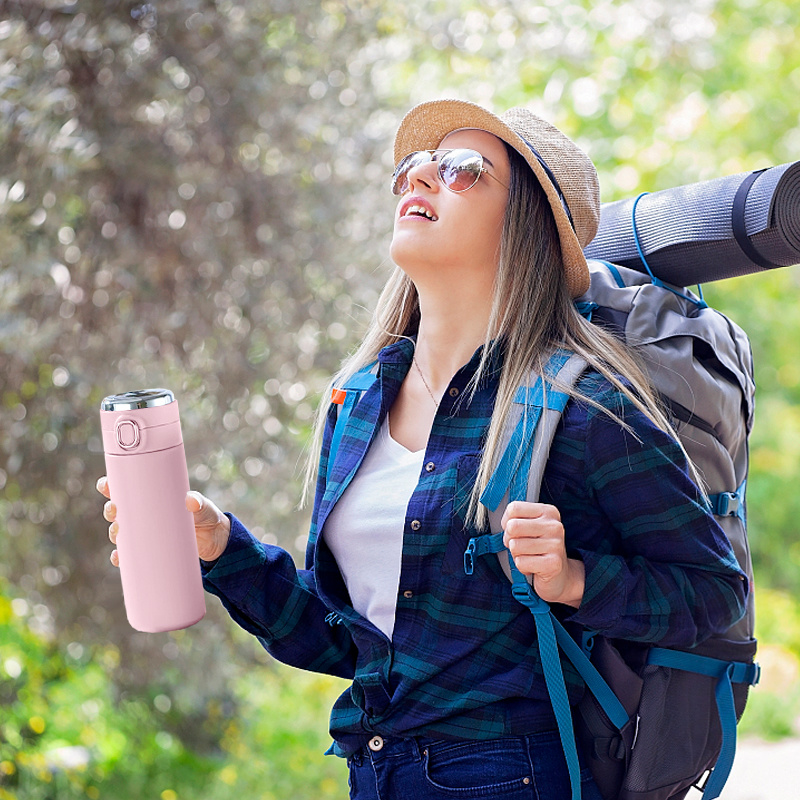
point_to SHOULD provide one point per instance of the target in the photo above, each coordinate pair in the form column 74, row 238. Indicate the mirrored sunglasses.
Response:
column 458, row 169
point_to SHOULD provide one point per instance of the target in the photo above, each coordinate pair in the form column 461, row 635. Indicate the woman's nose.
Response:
column 426, row 174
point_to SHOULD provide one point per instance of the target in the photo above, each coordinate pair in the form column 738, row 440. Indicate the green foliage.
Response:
column 773, row 709
column 763, row 305
column 193, row 194
column 67, row 733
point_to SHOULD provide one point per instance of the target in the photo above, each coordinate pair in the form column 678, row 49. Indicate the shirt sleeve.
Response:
column 264, row 592
column 672, row 577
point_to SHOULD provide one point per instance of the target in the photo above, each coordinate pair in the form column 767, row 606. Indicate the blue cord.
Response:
column 701, row 303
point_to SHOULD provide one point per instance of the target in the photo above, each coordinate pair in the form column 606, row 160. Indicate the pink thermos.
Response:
column 148, row 481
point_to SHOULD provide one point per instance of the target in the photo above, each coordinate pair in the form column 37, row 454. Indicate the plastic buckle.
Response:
column 523, row 593
column 469, row 557
column 727, row 504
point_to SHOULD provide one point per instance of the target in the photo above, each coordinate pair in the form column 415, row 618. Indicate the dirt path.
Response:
column 763, row 771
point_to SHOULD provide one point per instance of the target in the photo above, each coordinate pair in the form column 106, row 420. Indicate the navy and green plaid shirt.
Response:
column 463, row 660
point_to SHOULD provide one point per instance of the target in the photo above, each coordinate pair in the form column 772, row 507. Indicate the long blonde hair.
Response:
column 532, row 313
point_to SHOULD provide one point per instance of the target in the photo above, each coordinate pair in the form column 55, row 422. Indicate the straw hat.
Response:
column 557, row 162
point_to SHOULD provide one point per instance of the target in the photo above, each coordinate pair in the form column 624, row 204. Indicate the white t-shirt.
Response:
column 365, row 529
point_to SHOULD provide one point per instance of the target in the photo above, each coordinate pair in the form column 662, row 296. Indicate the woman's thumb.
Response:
column 194, row 501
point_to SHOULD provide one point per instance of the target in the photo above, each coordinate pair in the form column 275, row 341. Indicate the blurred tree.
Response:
column 193, row 194
column 183, row 190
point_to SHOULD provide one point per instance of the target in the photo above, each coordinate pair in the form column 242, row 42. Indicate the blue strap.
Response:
column 522, row 591
column 511, row 474
column 612, row 268
column 740, row 672
column 594, row 681
column 727, row 673
column 350, row 400
column 509, row 466
column 553, row 674
column 354, row 387
column 727, row 720
column 586, row 309
column 362, row 379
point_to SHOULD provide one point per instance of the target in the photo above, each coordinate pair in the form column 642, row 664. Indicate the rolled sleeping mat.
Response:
column 707, row 231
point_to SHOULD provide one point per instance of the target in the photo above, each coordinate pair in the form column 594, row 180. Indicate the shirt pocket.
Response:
column 460, row 532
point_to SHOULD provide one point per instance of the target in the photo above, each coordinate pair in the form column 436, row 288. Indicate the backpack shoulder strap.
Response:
column 528, row 436
column 347, row 396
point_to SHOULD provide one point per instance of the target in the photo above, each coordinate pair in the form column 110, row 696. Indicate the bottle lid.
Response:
column 143, row 398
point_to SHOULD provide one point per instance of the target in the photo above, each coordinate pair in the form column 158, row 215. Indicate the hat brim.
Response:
column 424, row 127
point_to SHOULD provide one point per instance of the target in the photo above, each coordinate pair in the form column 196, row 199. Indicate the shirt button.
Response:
column 376, row 743
column 453, row 392
column 415, row 525
column 430, row 466
column 408, row 594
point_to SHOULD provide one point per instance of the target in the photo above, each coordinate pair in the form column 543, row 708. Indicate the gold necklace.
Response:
column 435, row 401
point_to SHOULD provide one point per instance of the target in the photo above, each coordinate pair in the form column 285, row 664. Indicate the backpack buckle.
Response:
column 469, row 557
column 726, row 504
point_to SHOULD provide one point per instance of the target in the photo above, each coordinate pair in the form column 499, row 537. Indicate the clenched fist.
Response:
column 534, row 535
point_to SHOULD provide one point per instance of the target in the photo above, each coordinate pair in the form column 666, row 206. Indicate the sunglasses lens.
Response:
column 400, row 179
column 460, row 169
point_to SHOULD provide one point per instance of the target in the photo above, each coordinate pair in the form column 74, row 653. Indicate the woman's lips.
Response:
column 417, row 208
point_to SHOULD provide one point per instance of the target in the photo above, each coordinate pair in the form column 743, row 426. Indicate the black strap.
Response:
column 737, row 218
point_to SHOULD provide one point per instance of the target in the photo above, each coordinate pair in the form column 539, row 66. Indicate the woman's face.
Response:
column 461, row 241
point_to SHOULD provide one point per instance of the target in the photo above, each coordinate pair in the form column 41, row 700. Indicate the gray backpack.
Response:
column 654, row 721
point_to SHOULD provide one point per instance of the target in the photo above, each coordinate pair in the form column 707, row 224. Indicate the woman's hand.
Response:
column 211, row 527
column 535, row 536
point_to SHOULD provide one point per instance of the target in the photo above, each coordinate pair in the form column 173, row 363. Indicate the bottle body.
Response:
column 148, row 480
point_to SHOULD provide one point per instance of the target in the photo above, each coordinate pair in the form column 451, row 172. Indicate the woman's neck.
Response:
column 450, row 330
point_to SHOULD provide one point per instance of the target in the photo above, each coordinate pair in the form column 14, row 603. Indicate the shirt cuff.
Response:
column 243, row 556
column 605, row 592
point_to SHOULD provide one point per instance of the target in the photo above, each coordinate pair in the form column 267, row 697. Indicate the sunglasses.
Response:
column 458, row 169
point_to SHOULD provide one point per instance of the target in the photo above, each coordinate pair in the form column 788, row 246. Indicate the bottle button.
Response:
column 128, row 435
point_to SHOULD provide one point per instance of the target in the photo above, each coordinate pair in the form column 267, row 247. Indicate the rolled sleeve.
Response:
column 268, row 596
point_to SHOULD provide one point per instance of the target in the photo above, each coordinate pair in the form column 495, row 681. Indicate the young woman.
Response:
column 448, row 697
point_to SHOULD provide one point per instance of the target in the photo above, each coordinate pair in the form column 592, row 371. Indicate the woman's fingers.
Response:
column 109, row 511
column 110, row 515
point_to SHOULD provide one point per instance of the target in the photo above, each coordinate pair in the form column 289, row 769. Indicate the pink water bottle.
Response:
column 148, row 481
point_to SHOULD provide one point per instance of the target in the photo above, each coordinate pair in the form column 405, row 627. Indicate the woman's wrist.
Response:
column 576, row 583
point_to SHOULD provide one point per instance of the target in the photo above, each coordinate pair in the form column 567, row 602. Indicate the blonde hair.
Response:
column 532, row 313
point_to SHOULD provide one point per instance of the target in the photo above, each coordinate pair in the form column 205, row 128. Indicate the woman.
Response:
column 448, row 697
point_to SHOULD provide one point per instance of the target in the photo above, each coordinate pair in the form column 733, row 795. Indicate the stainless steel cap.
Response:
column 144, row 398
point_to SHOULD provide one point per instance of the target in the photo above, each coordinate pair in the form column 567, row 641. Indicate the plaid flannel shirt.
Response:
column 463, row 660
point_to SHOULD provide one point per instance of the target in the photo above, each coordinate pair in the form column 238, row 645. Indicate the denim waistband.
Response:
column 415, row 748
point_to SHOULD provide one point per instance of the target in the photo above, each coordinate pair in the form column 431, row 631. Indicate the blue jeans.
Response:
column 515, row 768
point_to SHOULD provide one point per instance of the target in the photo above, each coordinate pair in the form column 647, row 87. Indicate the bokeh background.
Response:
column 194, row 194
